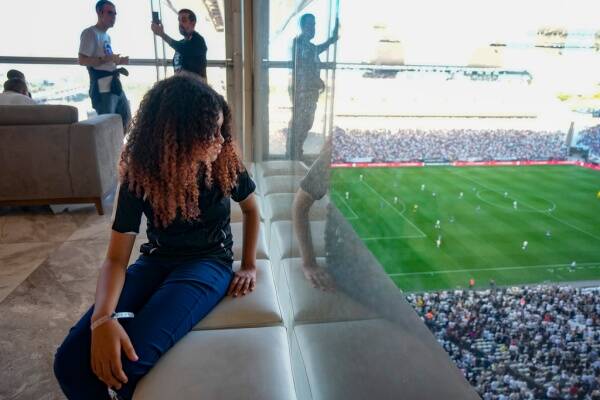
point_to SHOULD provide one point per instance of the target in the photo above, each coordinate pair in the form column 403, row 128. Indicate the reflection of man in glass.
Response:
column 306, row 83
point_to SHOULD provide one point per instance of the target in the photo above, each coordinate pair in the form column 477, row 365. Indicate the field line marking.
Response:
column 394, row 237
column 450, row 271
column 395, row 209
column 347, row 205
column 533, row 208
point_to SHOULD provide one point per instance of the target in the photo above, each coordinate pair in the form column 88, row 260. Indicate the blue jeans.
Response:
column 168, row 298
column 113, row 104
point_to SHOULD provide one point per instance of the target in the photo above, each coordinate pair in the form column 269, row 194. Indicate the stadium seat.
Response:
column 249, row 364
column 258, row 308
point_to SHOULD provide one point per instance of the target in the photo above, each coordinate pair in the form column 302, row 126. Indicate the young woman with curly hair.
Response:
column 180, row 169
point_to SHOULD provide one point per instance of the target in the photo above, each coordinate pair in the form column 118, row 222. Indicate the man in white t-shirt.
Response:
column 95, row 53
column 15, row 94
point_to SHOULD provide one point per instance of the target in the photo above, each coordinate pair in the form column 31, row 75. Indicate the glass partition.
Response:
column 442, row 154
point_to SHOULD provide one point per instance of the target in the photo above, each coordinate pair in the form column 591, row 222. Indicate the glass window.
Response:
column 69, row 84
column 446, row 154
column 54, row 29
column 130, row 36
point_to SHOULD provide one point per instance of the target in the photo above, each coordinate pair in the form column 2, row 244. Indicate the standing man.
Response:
column 190, row 52
column 95, row 53
column 306, row 83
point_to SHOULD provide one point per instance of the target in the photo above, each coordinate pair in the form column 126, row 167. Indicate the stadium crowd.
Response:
column 539, row 342
column 590, row 138
column 448, row 145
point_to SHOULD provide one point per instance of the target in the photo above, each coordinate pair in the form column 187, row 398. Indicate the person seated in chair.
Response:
column 15, row 73
column 15, row 94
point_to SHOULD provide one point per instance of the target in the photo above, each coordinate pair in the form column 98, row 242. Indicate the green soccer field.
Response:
column 482, row 233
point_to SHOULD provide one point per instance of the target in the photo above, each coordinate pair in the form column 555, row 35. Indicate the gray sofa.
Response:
column 48, row 157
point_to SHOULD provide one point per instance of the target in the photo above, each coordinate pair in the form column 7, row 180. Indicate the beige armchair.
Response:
column 48, row 157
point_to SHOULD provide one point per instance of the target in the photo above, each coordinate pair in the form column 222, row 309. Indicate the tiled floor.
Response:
column 48, row 270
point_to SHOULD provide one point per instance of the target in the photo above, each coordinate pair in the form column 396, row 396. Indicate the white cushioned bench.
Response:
column 280, row 167
column 278, row 207
column 258, row 308
column 238, row 235
column 280, row 184
column 249, row 364
column 284, row 242
column 302, row 303
column 372, row 359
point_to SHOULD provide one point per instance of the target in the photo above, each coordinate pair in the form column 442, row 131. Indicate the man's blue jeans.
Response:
column 113, row 104
column 168, row 298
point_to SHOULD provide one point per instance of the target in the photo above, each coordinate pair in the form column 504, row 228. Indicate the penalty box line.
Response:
column 395, row 237
column 355, row 216
column 422, row 234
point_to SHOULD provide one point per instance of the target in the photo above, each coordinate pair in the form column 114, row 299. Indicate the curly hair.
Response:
column 166, row 159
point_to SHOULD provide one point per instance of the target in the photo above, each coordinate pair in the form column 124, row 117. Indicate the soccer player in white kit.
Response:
column 525, row 244
column 515, row 205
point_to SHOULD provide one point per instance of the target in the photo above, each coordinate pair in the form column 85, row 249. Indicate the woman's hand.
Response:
column 108, row 340
column 243, row 281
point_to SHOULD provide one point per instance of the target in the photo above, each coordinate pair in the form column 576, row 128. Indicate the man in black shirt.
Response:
column 190, row 52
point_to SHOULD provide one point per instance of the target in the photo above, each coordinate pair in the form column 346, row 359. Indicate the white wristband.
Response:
column 115, row 315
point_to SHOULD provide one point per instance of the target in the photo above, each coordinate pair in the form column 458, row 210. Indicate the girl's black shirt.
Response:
column 208, row 237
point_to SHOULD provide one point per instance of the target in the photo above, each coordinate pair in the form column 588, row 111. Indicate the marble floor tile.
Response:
column 37, row 315
column 26, row 227
column 95, row 227
column 19, row 260
column 98, row 227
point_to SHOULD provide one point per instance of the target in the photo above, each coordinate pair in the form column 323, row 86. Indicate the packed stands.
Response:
column 539, row 342
column 590, row 139
column 448, row 145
